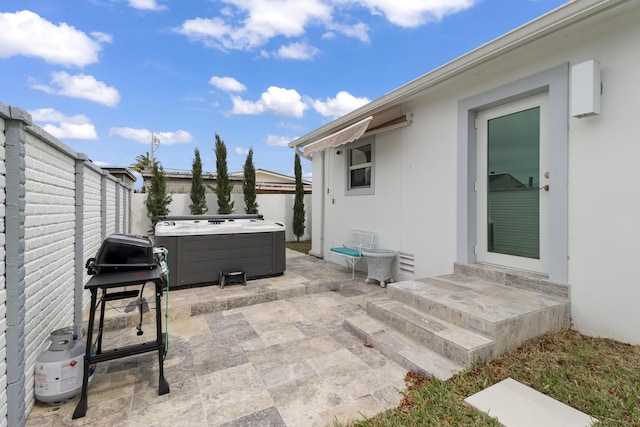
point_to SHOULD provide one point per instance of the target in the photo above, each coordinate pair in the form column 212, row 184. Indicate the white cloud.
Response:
column 102, row 37
column 80, row 86
column 228, row 84
column 359, row 31
column 64, row 127
column 342, row 104
column 211, row 32
column 240, row 150
column 291, row 126
column 146, row 5
column 301, row 51
column 253, row 23
column 276, row 101
column 143, row 136
column 289, row 103
column 278, row 141
column 416, row 12
column 26, row 33
column 250, row 24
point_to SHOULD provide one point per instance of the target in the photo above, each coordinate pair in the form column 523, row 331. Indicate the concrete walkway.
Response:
column 273, row 353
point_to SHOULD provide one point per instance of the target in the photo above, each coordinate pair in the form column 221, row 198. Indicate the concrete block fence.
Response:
column 56, row 208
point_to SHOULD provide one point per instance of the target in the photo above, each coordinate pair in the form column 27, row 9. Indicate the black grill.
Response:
column 122, row 252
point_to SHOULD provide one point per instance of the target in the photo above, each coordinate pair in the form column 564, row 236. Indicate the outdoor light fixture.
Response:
column 585, row 89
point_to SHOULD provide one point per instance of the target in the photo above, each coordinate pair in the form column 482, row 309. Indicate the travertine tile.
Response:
column 233, row 393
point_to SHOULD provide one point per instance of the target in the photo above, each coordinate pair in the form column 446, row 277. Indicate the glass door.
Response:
column 512, row 185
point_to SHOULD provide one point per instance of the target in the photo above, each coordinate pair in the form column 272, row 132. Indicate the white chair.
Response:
column 352, row 249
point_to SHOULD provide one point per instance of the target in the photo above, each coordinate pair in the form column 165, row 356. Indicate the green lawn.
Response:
column 303, row 247
column 599, row 377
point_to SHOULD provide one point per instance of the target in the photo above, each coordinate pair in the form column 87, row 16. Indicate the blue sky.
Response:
column 102, row 75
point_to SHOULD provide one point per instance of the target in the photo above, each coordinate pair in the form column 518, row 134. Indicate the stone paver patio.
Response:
column 272, row 353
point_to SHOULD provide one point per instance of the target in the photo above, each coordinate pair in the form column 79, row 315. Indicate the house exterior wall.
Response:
column 53, row 217
column 603, row 204
column 418, row 170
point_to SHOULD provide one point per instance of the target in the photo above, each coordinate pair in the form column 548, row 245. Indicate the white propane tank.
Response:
column 60, row 369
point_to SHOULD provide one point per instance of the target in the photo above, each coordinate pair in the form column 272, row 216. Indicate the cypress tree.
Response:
column 298, row 203
column 249, row 185
column 157, row 199
column 223, row 186
column 198, row 204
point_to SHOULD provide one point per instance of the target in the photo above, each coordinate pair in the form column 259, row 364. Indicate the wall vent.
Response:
column 406, row 266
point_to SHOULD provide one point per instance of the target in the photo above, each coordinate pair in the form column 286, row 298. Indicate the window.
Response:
column 360, row 168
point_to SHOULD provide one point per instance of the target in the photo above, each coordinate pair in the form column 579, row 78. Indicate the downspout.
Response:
column 322, row 197
column 318, row 253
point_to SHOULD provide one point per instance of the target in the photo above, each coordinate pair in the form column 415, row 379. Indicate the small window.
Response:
column 360, row 168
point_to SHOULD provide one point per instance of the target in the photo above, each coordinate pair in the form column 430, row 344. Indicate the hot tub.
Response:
column 200, row 247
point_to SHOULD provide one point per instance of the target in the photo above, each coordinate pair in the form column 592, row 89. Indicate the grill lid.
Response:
column 121, row 252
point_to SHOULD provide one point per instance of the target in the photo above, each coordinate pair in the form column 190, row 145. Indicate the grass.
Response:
column 599, row 377
column 303, row 247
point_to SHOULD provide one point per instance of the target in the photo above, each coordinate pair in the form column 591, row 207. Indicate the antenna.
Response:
column 155, row 142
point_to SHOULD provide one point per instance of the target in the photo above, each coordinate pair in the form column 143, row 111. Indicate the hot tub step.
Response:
column 231, row 277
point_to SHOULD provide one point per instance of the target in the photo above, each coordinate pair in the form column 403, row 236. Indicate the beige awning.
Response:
column 348, row 134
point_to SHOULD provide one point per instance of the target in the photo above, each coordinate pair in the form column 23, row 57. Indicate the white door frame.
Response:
column 483, row 118
column 555, row 82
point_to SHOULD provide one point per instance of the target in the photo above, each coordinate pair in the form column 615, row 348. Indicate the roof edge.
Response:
column 554, row 20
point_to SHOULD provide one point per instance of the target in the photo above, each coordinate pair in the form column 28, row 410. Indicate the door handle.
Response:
column 545, row 188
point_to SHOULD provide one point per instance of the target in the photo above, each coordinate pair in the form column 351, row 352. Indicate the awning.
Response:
column 348, row 134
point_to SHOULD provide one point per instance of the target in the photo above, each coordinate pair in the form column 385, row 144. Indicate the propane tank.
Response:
column 60, row 369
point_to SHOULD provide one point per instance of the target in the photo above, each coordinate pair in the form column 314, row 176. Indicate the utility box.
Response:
column 585, row 89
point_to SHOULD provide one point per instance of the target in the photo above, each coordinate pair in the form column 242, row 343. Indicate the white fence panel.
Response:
column 274, row 207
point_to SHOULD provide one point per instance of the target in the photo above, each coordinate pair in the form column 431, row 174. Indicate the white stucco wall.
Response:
column 603, row 198
column 416, row 174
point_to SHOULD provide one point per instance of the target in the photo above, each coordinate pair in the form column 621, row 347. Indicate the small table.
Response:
column 379, row 263
column 107, row 281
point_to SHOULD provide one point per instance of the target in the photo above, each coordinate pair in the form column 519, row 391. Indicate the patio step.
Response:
column 436, row 326
column 458, row 344
column 507, row 315
column 517, row 279
column 403, row 350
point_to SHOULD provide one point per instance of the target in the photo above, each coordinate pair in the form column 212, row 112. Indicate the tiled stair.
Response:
column 437, row 326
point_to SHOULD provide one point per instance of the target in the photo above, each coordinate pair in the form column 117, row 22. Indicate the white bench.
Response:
column 352, row 249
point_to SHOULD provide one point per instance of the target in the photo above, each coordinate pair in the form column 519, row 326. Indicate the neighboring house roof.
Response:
column 266, row 181
column 502, row 181
column 266, row 176
column 121, row 172
column 389, row 111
